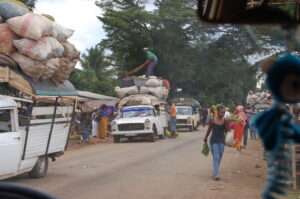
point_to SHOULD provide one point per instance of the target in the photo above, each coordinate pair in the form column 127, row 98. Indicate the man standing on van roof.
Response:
column 151, row 61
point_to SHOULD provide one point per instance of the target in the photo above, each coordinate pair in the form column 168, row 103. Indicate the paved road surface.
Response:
column 165, row 169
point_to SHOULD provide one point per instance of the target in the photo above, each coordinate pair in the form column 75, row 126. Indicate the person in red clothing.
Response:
column 239, row 128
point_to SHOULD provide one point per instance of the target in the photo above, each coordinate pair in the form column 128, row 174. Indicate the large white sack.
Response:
column 140, row 99
column 158, row 91
column 52, row 66
column 42, row 49
column 33, row 68
column 153, row 83
column 9, row 10
column 70, row 51
column 6, row 39
column 123, row 92
column 64, row 71
column 229, row 138
column 144, row 90
column 61, row 33
column 31, row 26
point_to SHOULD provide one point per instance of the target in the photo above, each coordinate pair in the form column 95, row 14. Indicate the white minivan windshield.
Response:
column 138, row 112
column 184, row 111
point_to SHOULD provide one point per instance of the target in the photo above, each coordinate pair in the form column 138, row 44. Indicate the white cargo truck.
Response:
column 34, row 125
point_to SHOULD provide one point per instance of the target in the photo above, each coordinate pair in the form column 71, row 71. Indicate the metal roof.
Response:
column 86, row 96
column 6, row 101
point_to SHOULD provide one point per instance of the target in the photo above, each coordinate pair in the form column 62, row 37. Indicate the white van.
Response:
column 29, row 136
column 187, row 117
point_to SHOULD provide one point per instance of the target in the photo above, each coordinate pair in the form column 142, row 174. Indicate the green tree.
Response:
column 127, row 27
column 97, row 75
column 87, row 80
column 209, row 62
column 95, row 59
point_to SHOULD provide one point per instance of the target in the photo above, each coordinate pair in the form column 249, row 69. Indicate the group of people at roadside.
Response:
column 221, row 122
column 100, row 121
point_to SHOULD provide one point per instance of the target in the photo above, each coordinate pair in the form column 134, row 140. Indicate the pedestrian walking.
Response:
column 239, row 128
column 246, row 130
column 251, row 116
column 218, row 127
column 172, row 119
column 204, row 113
column 95, row 123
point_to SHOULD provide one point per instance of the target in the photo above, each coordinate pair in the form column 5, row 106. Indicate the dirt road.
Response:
column 169, row 168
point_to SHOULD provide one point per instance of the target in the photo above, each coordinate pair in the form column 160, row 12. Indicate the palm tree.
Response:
column 96, row 60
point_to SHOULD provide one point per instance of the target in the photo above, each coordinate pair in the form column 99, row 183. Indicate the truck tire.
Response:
column 192, row 128
column 40, row 169
column 151, row 137
column 117, row 138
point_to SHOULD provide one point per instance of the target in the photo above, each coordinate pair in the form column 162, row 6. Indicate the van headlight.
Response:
column 189, row 120
column 147, row 124
column 114, row 126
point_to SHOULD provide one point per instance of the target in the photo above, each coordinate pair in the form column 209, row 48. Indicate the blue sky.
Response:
column 79, row 15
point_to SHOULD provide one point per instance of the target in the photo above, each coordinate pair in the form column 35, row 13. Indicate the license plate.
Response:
column 130, row 134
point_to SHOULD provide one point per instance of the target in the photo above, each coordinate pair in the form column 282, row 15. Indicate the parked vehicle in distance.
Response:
column 188, row 115
column 186, row 118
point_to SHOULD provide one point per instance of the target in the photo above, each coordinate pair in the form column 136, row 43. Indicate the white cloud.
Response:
column 79, row 15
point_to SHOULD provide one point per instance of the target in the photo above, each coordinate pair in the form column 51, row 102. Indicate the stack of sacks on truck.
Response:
column 259, row 98
column 156, row 87
column 36, row 43
column 151, row 86
column 139, row 99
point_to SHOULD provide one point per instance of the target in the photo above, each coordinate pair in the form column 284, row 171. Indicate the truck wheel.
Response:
column 195, row 127
column 151, row 137
column 116, row 138
column 40, row 169
column 161, row 136
column 192, row 128
column 130, row 139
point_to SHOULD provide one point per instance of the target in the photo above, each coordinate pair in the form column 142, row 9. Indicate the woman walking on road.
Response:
column 239, row 128
column 218, row 126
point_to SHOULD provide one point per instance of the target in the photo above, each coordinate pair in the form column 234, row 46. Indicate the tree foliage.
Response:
column 87, row 80
column 96, row 75
column 209, row 62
